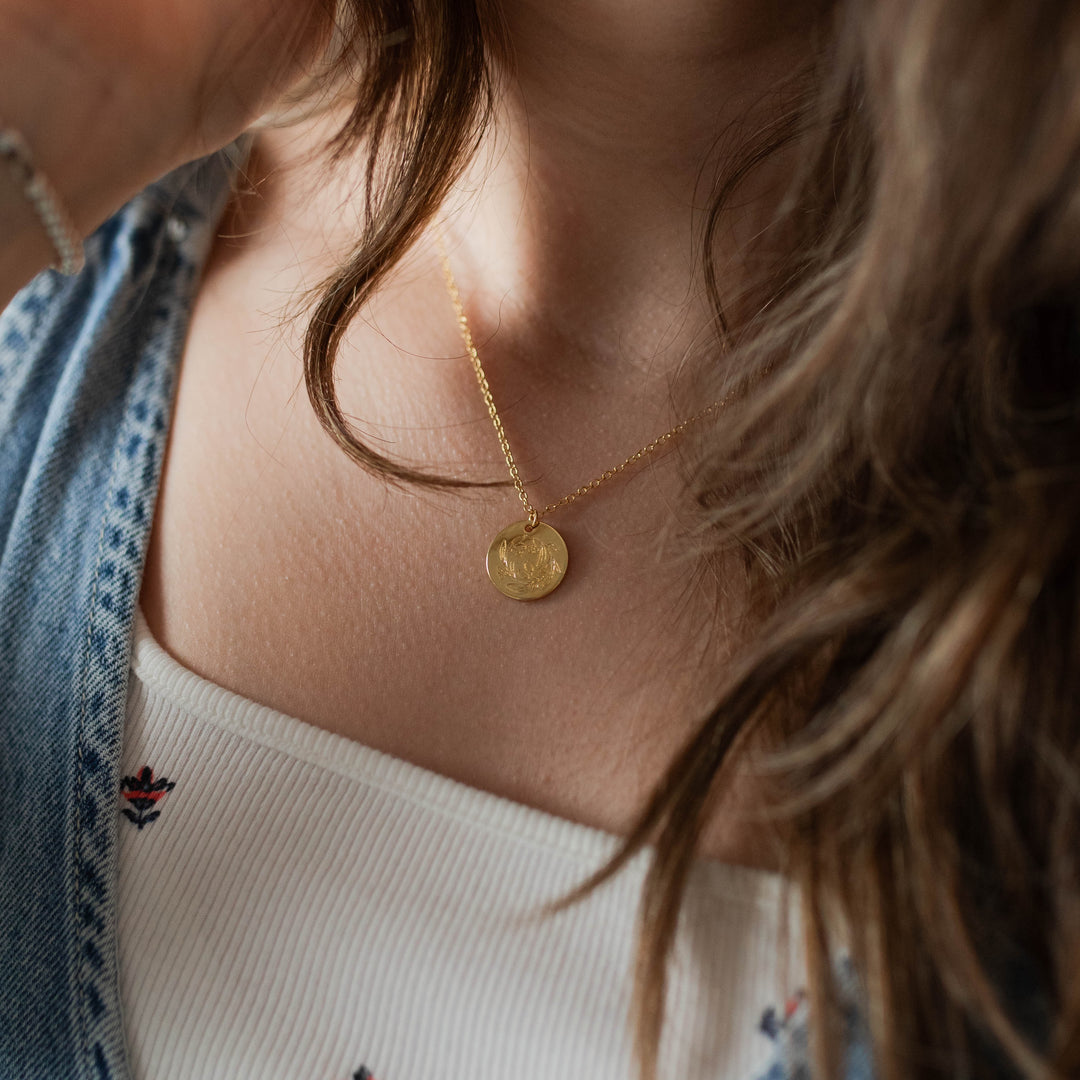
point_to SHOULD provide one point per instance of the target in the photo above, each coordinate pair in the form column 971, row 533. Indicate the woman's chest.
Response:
column 281, row 570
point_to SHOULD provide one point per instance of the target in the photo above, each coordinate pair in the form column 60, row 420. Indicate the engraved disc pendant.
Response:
column 526, row 565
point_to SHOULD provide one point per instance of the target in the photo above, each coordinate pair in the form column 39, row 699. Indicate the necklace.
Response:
column 528, row 559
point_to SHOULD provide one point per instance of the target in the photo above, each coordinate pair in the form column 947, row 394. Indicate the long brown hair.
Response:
column 902, row 479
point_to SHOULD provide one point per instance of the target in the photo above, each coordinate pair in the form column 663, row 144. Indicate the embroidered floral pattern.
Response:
column 774, row 1021
column 143, row 793
column 789, row 1030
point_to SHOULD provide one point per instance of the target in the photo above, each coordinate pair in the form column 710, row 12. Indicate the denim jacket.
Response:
column 87, row 369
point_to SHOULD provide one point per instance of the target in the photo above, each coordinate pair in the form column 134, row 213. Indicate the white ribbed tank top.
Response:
column 296, row 906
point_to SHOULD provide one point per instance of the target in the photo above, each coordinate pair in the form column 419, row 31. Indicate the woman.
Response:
column 826, row 252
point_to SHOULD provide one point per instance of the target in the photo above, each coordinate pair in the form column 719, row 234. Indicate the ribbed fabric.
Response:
column 304, row 906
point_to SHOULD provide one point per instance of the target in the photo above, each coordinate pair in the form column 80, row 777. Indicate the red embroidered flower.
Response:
column 143, row 793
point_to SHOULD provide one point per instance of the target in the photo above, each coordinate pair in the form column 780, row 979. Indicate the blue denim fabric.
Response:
column 87, row 370
column 86, row 379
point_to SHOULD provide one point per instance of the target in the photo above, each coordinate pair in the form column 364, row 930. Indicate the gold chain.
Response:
column 534, row 515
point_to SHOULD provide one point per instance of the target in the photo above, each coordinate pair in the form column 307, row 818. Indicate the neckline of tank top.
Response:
column 227, row 710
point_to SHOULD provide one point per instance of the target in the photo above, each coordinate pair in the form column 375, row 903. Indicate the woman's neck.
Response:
column 602, row 160
column 581, row 214
column 613, row 90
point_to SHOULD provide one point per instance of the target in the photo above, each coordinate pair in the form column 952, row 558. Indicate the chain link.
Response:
column 532, row 513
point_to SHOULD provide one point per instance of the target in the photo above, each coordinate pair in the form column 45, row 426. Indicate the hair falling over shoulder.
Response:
column 903, row 482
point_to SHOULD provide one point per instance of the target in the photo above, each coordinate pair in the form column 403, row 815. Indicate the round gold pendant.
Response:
column 526, row 565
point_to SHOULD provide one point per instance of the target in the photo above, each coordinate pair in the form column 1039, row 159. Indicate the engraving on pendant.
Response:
column 526, row 565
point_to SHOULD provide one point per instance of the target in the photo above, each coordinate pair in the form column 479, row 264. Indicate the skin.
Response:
column 112, row 94
column 280, row 570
